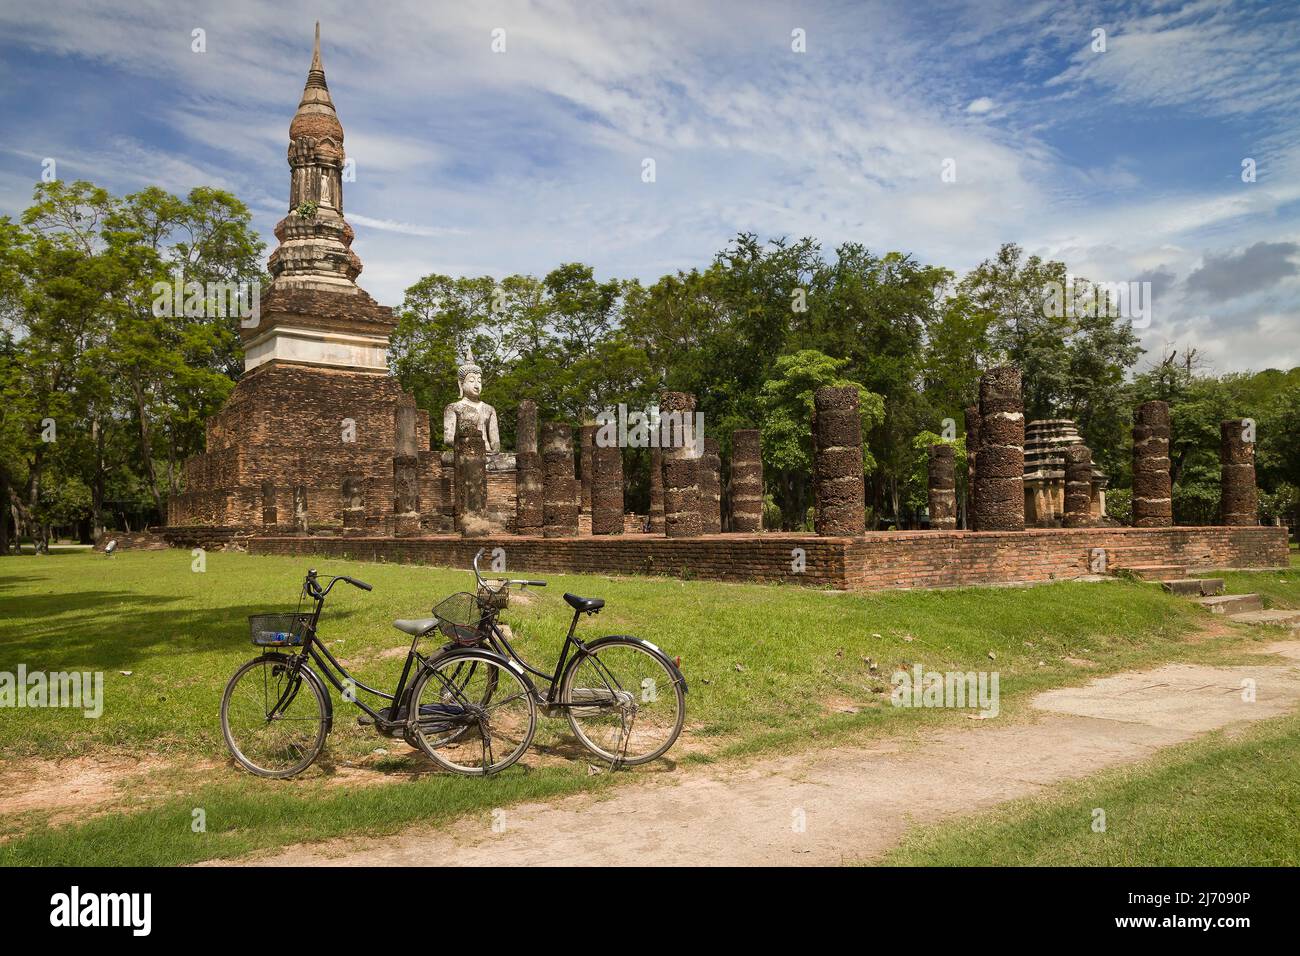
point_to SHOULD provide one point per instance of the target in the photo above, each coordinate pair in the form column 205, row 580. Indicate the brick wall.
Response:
column 916, row 559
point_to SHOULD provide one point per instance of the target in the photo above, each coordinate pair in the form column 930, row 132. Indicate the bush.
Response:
column 1119, row 504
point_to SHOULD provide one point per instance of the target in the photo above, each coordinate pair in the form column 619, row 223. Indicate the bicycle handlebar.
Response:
column 520, row 581
column 316, row 591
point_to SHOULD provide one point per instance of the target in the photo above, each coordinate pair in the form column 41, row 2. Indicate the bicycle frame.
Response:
column 497, row 640
column 315, row 651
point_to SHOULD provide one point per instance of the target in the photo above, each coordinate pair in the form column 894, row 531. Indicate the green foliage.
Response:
column 1119, row 504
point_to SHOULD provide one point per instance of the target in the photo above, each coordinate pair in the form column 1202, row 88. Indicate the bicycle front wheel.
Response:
column 472, row 713
column 624, row 701
column 275, row 717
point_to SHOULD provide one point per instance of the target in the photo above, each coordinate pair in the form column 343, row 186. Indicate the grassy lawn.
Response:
column 1213, row 802
column 768, row 667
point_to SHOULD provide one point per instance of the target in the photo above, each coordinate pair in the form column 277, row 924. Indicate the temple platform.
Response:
column 874, row 561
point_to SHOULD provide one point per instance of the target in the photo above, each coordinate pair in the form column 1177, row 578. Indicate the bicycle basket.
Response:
column 279, row 630
column 459, row 617
column 497, row 598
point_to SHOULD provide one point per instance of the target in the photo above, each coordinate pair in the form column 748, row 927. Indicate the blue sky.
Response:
column 1125, row 163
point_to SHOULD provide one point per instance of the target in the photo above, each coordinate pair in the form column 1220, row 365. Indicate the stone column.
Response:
column 606, row 467
column 447, row 493
column 710, row 472
column 471, row 481
column 837, row 466
column 1000, row 474
column 680, row 466
column 528, row 472
column 943, row 487
column 1239, row 499
column 656, row 491
column 746, row 481
column 1152, row 488
column 300, row 509
column 354, row 504
column 587, row 444
column 559, row 493
column 972, row 453
column 1078, row 487
column 406, row 474
column 270, row 514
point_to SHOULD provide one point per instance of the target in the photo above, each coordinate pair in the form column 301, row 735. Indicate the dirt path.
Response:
column 855, row 803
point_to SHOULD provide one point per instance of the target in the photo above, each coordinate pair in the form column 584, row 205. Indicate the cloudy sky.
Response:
column 1125, row 163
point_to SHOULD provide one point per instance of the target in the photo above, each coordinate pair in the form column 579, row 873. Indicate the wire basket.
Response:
column 279, row 630
column 459, row 617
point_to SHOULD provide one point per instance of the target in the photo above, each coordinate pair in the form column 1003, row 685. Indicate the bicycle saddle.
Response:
column 416, row 626
column 584, row 604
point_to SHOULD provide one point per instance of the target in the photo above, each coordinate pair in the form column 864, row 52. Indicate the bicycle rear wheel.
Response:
column 624, row 701
column 274, row 717
column 472, row 713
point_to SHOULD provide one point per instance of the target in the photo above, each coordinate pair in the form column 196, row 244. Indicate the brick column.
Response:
column 837, row 466
column 406, row 473
column 1152, row 488
column 470, row 476
column 1238, row 499
column 559, row 493
column 446, row 496
column 943, row 487
column 528, row 472
column 972, row 453
column 656, row 491
column 587, row 444
column 710, row 471
column 746, row 481
column 1000, row 474
column 270, row 514
column 1078, row 487
column 606, row 467
column 680, row 469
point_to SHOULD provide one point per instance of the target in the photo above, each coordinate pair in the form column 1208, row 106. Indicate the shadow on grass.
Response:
column 84, row 631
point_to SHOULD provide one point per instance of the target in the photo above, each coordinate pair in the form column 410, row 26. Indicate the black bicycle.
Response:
column 623, row 697
column 470, row 709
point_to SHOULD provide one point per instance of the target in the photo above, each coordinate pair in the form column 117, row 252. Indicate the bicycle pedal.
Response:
column 365, row 720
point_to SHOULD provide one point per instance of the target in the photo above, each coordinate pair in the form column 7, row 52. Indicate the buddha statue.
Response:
column 470, row 411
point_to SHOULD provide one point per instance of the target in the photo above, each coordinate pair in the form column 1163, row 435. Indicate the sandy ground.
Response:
column 849, row 803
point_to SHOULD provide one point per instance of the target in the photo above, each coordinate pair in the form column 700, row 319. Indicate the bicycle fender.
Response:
column 651, row 647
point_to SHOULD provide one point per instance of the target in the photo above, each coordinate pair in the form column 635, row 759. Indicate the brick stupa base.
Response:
column 875, row 561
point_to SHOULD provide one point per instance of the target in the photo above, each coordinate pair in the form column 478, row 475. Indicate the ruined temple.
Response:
column 311, row 428
column 1046, row 441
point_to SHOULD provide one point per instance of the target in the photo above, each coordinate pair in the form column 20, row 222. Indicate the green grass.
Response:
column 1214, row 802
column 768, row 667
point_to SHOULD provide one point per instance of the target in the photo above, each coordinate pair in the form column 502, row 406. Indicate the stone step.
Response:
column 1186, row 586
column 1153, row 572
column 1277, row 618
column 1232, row 603
column 1211, row 586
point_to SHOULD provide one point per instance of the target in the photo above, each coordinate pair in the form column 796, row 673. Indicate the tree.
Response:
column 787, row 408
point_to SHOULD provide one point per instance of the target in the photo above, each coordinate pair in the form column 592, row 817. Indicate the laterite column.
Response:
column 746, row 481
column 711, row 488
column 606, row 466
column 1239, row 498
column 972, row 454
column 1078, row 487
column 680, row 466
column 837, row 466
column 1000, row 474
column 528, row 472
column 1152, row 489
column 559, row 491
column 943, row 487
